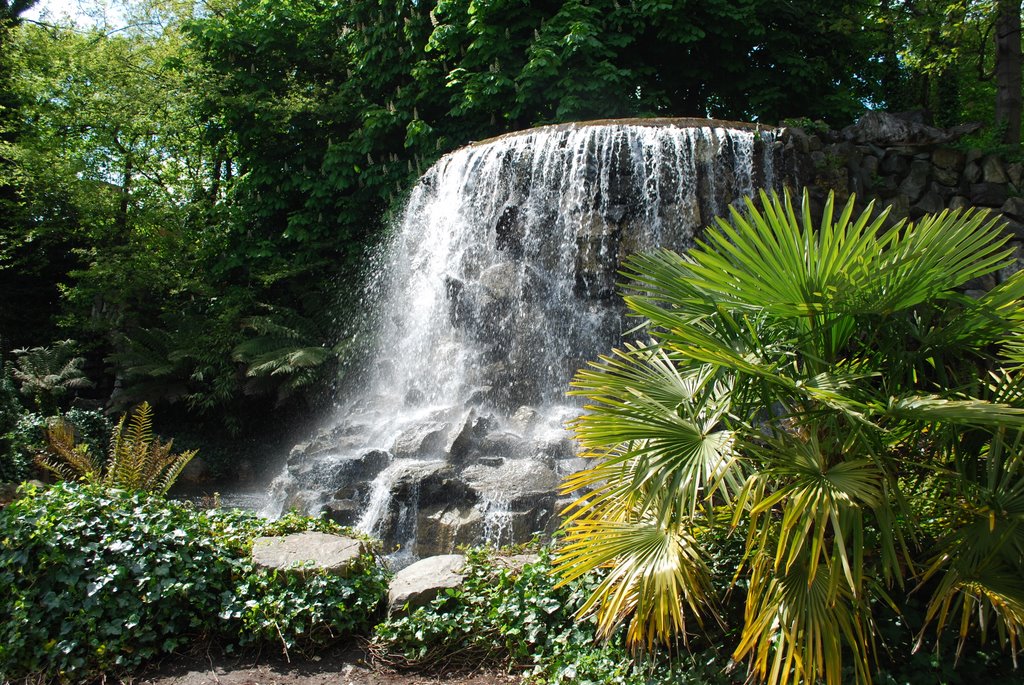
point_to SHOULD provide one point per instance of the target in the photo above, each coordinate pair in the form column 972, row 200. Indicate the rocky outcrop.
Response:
column 308, row 551
column 907, row 128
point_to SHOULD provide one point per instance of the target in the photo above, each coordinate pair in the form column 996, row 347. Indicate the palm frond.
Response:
column 798, row 628
column 657, row 572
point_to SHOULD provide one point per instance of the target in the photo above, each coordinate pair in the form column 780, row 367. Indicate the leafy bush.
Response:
column 99, row 581
column 501, row 618
column 13, row 463
column 26, row 437
column 21, row 441
column 47, row 374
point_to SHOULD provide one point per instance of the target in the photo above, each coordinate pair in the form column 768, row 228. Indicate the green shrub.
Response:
column 497, row 618
column 26, row 437
column 13, row 466
column 136, row 459
column 99, row 581
column 295, row 612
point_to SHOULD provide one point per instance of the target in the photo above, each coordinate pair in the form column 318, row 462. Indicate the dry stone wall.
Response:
column 913, row 178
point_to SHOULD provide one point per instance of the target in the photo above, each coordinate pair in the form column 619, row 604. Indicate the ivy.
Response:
column 101, row 581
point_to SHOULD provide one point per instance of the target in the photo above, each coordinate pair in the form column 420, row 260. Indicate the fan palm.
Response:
column 828, row 388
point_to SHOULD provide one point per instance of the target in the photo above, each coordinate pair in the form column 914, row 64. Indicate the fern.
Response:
column 64, row 457
column 46, row 373
column 136, row 460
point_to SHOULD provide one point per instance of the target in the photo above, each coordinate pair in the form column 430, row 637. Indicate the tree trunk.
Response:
column 1008, row 69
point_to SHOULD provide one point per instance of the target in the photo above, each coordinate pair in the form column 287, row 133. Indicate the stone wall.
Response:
column 912, row 178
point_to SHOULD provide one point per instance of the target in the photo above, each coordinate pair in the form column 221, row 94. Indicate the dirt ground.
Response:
column 337, row 667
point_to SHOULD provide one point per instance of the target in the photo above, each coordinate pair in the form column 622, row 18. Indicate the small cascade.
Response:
column 498, row 518
column 499, row 283
column 379, row 501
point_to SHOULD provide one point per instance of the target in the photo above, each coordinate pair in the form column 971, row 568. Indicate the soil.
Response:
column 344, row 666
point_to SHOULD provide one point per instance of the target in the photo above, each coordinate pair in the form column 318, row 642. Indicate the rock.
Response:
column 930, row 203
column 884, row 128
column 944, row 192
column 988, row 194
column 1013, row 208
column 557, row 448
column 515, row 563
column 418, row 584
column 425, row 439
column 959, row 202
column 949, row 159
column 870, row 165
column 461, row 306
column 895, row 163
column 501, row 281
column 972, row 172
column 502, row 444
column 1013, row 227
column 524, row 419
column 245, row 471
column 980, row 284
column 509, row 231
column 899, row 208
column 947, row 177
column 345, row 511
column 1015, row 171
column 467, row 440
column 334, row 470
column 442, row 528
column 992, row 170
column 196, row 472
column 519, row 482
column 914, row 184
column 302, row 552
column 1016, row 265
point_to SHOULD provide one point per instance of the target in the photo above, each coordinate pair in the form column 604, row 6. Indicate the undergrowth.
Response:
column 99, row 581
column 501, row 617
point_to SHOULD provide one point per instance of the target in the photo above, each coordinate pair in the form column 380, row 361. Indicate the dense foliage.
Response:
column 824, row 386
column 516, row 618
column 136, row 460
column 99, row 581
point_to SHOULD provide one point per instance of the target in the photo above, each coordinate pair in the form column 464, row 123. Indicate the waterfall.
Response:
column 499, row 283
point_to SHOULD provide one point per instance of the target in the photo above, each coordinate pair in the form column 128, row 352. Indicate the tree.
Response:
column 960, row 60
column 1008, row 69
column 826, row 391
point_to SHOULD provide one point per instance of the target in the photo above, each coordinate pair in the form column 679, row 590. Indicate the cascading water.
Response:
column 498, row 285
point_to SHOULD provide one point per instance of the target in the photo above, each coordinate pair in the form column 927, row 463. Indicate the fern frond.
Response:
column 63, row 457
column 173, row 470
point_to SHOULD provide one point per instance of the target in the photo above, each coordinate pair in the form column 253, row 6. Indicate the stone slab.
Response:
column 302, row 552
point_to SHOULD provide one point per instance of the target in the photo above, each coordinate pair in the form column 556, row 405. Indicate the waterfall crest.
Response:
column 499, row 283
